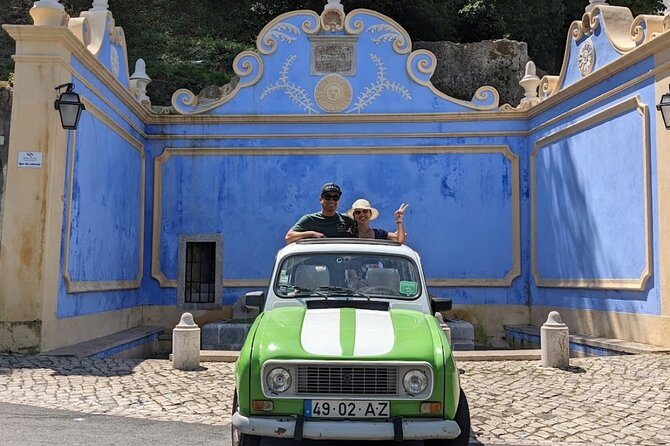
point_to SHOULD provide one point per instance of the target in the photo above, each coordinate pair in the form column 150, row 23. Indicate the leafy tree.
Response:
column 193, row 44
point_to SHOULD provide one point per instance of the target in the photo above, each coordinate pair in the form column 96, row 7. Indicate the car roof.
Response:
column 361, row 245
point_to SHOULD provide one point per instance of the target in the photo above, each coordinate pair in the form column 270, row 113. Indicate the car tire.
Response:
column 238, row 438
column 462, row 418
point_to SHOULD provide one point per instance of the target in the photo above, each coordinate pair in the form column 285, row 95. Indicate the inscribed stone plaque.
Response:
column 333, row 55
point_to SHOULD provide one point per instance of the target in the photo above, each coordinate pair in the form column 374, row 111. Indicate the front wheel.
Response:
column 462, row 418
column 237, row 437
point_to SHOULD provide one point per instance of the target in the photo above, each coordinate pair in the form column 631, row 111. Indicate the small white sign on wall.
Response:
column 30, row 159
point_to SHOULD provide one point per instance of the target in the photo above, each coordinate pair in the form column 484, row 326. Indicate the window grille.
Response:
column 200, row 280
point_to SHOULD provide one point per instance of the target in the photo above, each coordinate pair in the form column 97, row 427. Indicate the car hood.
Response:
column 345, row 333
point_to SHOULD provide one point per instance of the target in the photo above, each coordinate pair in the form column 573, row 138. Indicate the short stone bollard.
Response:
column 445, row 328
column 186, row 344
column 555, row 342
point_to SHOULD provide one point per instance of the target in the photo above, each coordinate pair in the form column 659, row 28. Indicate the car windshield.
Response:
column 348, row 274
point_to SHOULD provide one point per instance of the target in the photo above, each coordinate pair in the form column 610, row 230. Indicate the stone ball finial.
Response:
column 186, row 320
column 554, row 320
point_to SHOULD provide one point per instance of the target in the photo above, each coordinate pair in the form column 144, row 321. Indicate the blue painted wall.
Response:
column 251, row 180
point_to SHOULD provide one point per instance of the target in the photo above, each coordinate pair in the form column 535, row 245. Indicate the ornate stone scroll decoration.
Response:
column 390, row 30
column 420, row 67
column 248, row 66
column 280, row 30
column 587, row 26
column 373, row 91
column 586, row 58
column 647, row 27
column 296, row 93
column 548, row 86
column 333, row 93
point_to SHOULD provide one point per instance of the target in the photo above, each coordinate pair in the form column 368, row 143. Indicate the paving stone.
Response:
column 512, row 402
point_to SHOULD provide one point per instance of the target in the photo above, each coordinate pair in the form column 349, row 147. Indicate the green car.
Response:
column 347, row 347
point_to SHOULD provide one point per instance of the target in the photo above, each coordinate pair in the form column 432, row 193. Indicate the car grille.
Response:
column 337, row 380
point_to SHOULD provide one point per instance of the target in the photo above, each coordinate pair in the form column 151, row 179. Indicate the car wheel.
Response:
column 463, row 419
column 237, row 437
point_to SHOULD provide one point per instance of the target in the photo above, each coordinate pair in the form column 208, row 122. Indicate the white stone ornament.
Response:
column 555, row 342
column 114, row 61
column 100, row 5
column 530, row 82
column 594, row 3
column 334, row 4
column 139, row 81
column 186, row 344
column 48, row 13
column 586, row 58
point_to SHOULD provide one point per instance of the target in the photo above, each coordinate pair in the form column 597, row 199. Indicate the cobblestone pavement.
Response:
column 622, row 400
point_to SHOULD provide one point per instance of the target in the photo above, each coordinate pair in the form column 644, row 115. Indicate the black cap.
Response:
column 331, row 187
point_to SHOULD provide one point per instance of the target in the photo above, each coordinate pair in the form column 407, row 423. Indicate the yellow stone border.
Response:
column 633, row 103
column 504, row 150
column 74, row 286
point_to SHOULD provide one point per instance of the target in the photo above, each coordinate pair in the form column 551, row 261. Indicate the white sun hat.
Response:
column 363, row 204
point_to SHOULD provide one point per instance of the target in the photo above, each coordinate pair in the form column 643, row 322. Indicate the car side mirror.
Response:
column 440, row 304
column 254, row 300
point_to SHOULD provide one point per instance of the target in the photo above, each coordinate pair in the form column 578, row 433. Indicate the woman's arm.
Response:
column 399, row 235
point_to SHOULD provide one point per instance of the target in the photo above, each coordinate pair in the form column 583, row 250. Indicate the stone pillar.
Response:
column 555, row 342
column 445, row 328
column 186, row 344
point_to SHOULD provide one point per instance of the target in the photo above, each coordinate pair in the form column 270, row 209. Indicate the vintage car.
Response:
column 347, row 347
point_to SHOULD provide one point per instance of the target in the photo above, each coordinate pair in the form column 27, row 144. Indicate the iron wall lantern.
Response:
column 664, row 108
column 69, row 106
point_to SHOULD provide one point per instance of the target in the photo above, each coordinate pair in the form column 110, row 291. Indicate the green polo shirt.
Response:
column 338, row 225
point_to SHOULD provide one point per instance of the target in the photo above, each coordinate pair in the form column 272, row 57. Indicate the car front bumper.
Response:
column 284, row 427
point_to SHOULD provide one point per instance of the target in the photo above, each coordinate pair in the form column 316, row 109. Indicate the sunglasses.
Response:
column 361, row 211
column 329, row 197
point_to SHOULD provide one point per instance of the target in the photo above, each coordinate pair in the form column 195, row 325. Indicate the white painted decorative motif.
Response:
column 586, row 59
column 114, row 61
column 373, row 91
column 333, row 93
column 390, row 34
column 296, row 93
column 282, row 31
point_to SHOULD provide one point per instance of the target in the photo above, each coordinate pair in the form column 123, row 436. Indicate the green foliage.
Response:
column 193, row 44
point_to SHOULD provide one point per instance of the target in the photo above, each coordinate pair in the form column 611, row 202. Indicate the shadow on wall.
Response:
column 586, row 217
column 6, row 94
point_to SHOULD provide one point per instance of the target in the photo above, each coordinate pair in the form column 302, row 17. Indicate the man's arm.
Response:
column 293, row 236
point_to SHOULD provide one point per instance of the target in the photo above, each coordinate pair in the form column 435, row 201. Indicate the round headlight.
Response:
column 415, row 382
column 278, row 380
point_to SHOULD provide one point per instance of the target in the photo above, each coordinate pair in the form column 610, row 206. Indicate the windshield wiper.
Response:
column 299, row 291
column 338, row 290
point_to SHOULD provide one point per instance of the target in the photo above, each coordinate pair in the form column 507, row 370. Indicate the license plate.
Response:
column 346, row 409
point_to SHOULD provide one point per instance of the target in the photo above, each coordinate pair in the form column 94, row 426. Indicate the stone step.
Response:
column 134, row 342
column 528, row 335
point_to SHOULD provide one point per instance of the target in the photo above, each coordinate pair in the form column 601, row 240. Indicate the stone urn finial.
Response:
column 100, row 5
column 593, row 3
column 334, row 4
column 139, row 81
column 530, row 82
column 48, row 13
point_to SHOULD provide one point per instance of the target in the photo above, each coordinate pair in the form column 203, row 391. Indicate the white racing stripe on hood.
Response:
column 320, row 333
column 374, row 333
